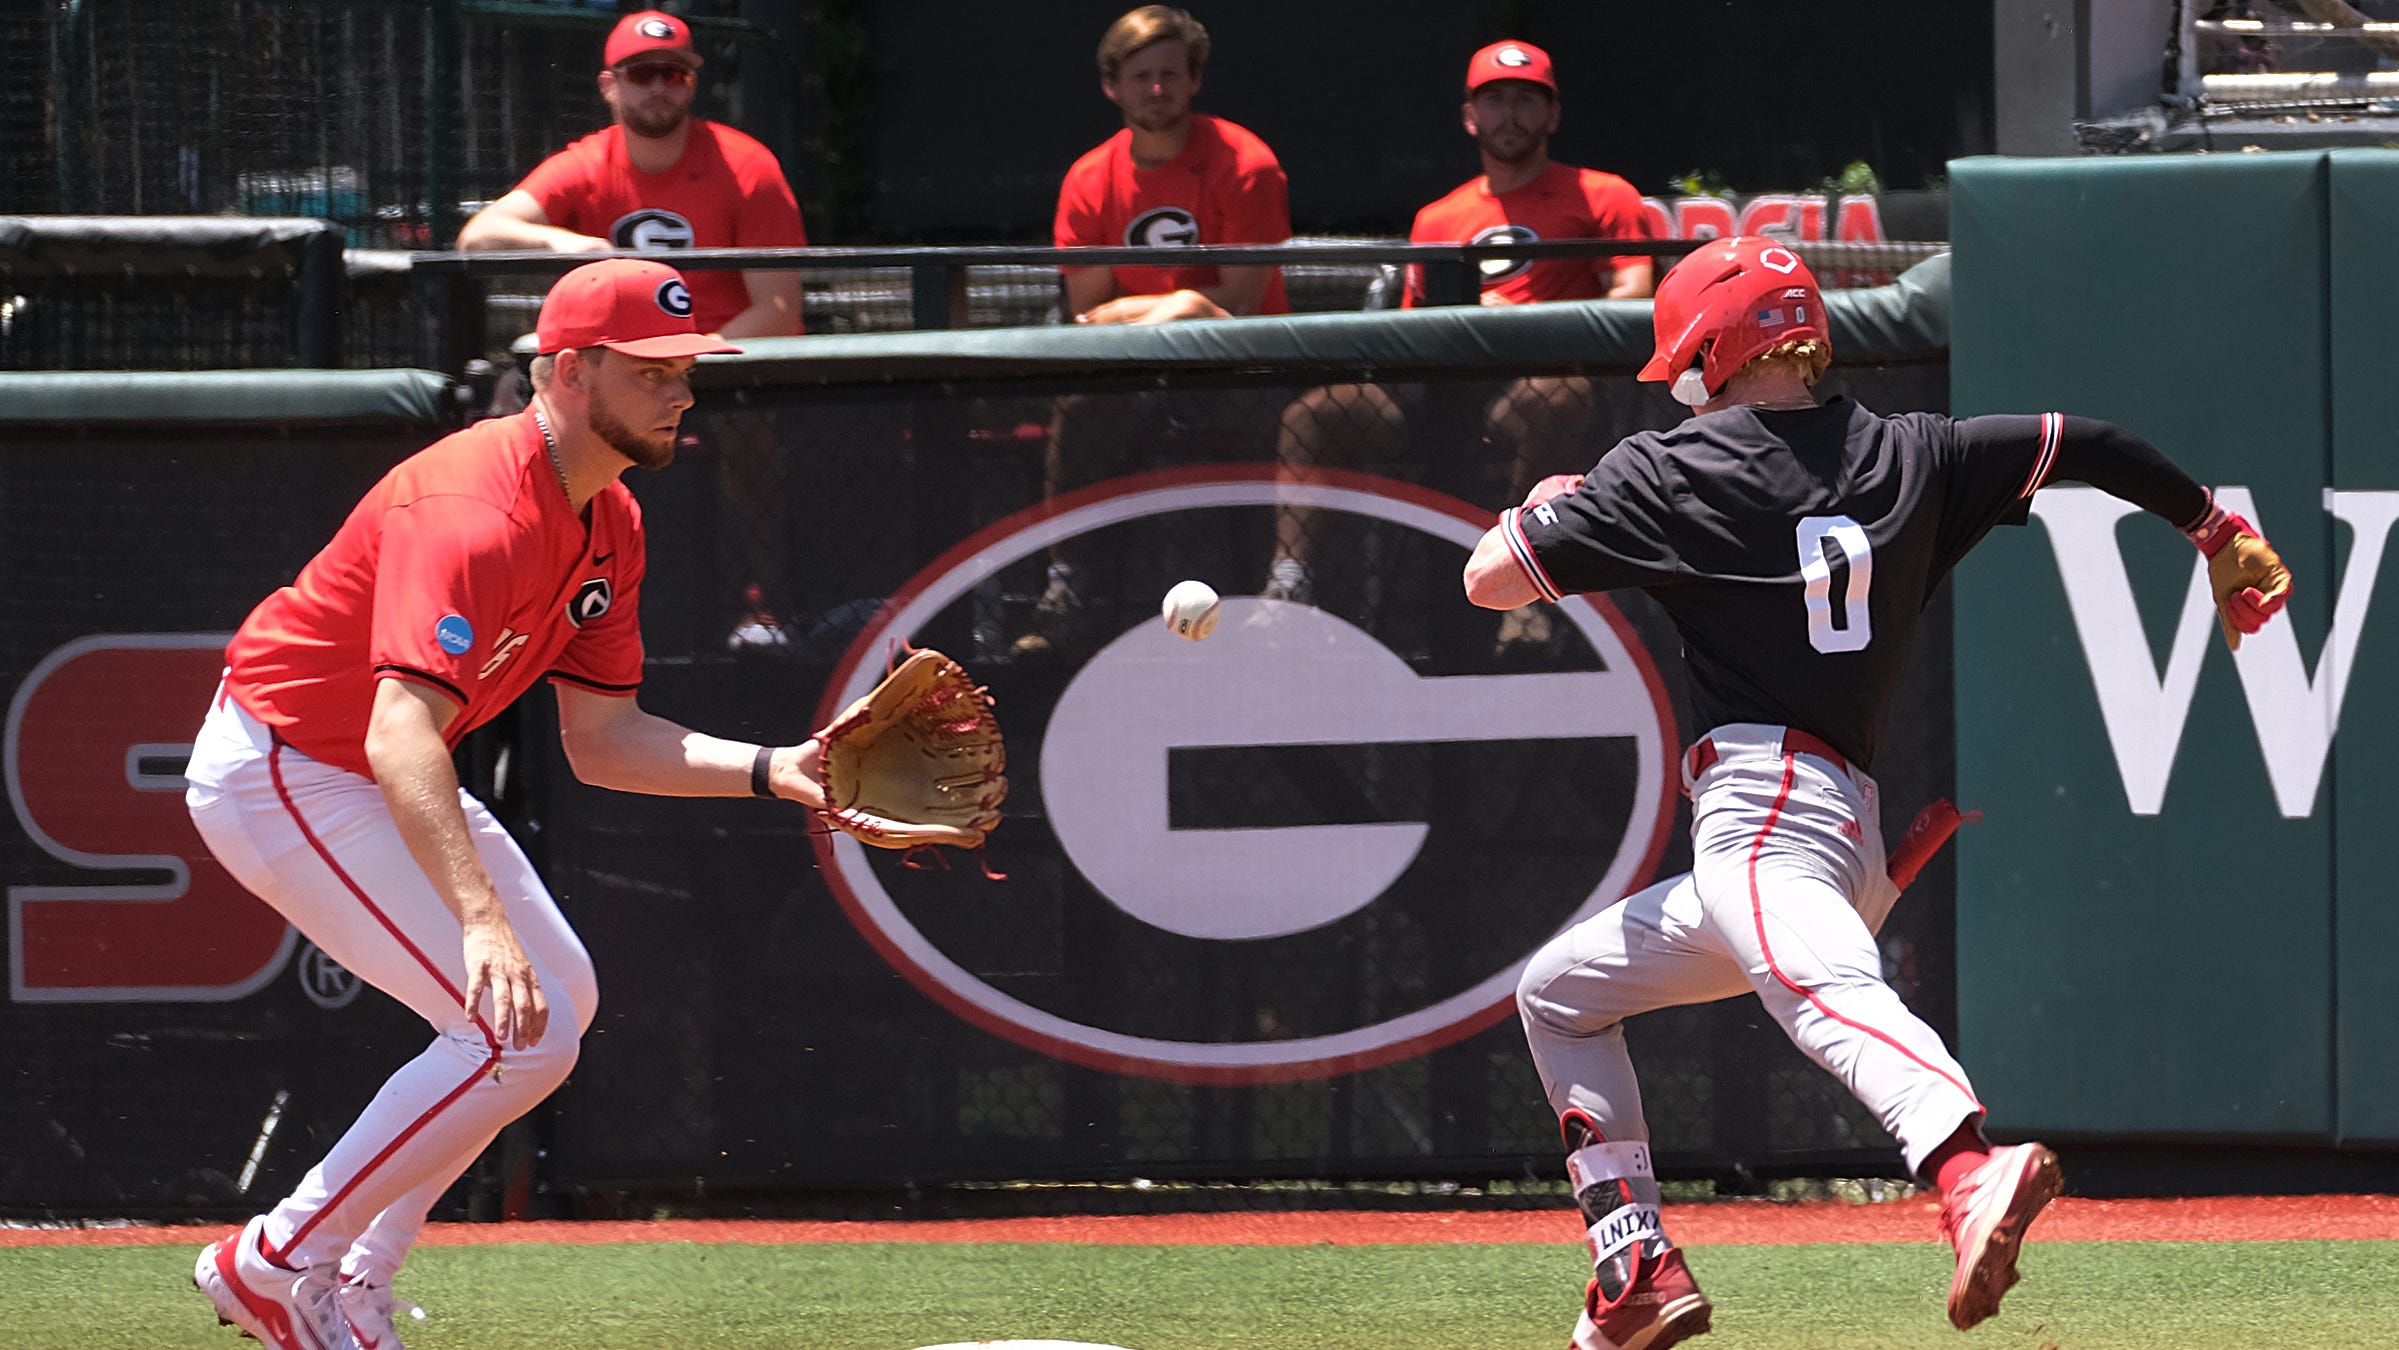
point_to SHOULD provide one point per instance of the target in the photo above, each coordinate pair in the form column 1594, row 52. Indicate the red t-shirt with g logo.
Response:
column 1225, row 188
column 726, row 191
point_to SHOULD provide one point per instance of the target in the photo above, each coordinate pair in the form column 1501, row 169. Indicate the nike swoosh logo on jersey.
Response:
column 599, row 558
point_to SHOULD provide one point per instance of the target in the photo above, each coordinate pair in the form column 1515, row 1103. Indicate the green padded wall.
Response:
column 2163, row 971
column 2365, row 459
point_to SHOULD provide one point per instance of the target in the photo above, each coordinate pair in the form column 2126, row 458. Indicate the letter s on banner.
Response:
column 97, row 737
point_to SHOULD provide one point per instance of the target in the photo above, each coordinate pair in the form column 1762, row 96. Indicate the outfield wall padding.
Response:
column 2171, row 925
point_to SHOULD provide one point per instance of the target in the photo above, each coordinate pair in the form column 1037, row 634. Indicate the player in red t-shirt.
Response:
column 1171, row 177
column 659, row 179
column 504, row 554
column 1511, row 110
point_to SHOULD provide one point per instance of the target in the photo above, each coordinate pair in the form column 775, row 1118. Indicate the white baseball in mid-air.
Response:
column 1190, row 609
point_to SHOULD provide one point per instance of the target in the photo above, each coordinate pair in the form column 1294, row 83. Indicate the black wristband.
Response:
column 759, row 787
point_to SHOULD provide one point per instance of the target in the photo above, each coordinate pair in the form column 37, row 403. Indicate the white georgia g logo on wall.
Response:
column 1257, row 810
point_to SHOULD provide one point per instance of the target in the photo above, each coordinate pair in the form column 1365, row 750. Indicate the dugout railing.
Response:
column 207, row 293
column 882, row 289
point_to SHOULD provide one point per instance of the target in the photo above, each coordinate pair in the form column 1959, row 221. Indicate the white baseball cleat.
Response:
column 370, row 1310
column 1985, row 1219
column 289, row 1310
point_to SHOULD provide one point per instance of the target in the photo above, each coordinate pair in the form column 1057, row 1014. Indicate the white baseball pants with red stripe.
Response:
column 1786, row 891
column 319, row 845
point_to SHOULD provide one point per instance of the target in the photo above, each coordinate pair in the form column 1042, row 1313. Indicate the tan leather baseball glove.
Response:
column 917, row 760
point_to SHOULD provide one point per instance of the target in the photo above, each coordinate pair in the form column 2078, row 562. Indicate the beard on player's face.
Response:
column 651, row 120
column 1509, row 144
column 1512, row 121
column 653, row 450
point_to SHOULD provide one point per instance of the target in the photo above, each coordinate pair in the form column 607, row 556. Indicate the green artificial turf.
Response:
column 2076, row 1296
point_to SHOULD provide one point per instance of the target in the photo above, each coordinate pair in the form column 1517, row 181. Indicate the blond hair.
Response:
column 1147, row 27
column 1809, row 356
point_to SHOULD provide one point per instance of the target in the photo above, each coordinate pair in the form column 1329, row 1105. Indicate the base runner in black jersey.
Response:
column 1794, row 544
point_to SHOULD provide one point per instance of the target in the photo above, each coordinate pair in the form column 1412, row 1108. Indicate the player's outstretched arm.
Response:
column 420, row 785
column 2250, row 583
column 611, row 742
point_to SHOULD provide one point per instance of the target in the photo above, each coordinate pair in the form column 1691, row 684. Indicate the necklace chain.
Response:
column 550, row 444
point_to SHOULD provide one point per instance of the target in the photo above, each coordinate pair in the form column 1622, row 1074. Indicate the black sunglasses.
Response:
column 648, row 73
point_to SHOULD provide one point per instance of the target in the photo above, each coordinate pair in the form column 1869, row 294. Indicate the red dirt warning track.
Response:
column 2229, row 1219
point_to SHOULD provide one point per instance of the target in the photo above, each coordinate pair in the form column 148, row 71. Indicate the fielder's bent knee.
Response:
column 1538, row 1003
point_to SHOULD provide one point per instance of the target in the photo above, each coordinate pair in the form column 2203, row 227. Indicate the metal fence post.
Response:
column 319, row 286
column 1445, row 282
column 68, row 54
column 937, row 295
column 441, row 123
column 449, row 318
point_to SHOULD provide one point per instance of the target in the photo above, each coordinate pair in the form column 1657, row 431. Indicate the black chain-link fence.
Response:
column 1086, row 1020
column 1263, row 895
column 389, row 118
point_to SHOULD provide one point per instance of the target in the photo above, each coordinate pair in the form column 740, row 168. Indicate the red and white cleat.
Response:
column 1660, row 1306
column 372, row 1313
column 1985, row 1219
column 288, row 1310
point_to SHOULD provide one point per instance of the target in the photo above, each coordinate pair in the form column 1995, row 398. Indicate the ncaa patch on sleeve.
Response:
column 454, row 634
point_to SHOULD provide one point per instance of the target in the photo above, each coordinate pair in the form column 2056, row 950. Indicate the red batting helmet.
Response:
column 1727, row 303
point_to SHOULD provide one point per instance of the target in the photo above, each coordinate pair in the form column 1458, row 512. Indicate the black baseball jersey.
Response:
column 1795, row 550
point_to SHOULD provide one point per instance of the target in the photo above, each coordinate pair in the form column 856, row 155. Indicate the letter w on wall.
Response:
column 2296, row 713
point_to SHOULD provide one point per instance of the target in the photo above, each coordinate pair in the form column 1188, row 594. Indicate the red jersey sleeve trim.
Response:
column 591, row 684
column 389, row 671
column 2053, row 430
column 1511, row 529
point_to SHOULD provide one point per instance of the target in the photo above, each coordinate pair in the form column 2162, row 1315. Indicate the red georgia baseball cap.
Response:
column 651, row 33
column 629, row 305
column 1510, row 60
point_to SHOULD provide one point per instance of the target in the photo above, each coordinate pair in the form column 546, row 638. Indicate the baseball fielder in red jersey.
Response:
column 658, row 179
column 1171, row 177
column 1511, row 110
column 504, row 554
column 1794, row 545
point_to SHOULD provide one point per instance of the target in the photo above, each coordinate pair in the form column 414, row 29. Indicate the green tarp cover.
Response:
column 156, row 245
column 1907, row 320
column 240, row 397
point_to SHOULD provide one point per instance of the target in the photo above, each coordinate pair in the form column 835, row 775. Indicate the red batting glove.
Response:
column 2250, row 583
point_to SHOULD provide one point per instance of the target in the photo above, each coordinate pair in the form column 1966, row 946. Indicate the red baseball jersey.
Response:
column 1225, row 188
column 465, row 569
column 1563, row 203
column 726, row 191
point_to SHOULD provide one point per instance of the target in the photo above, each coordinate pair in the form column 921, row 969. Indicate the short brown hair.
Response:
column 1147, row 27
column 1810, row 356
